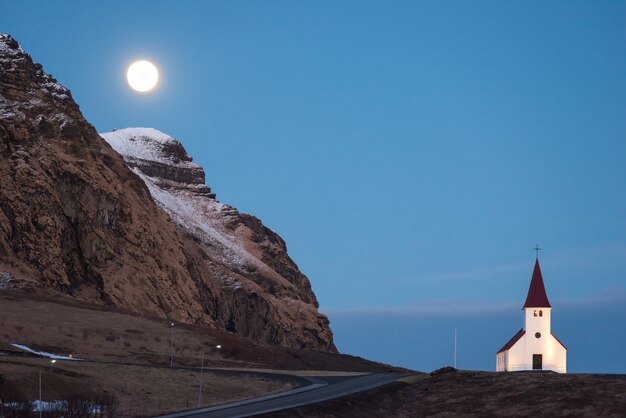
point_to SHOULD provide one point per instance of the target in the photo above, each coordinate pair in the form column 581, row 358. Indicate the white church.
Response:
column 534, row 347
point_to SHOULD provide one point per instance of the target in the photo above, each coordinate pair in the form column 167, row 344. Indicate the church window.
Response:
column 540, row 313
column 535, row 312
column 537, row 335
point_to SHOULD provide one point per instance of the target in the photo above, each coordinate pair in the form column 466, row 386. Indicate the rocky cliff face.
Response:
column 76, row 218
column 245, row 258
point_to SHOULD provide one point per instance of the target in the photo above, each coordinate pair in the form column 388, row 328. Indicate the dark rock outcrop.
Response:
column 76, row 218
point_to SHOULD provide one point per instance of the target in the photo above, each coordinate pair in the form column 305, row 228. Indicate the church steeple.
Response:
column 537, row 297
column 534, row 347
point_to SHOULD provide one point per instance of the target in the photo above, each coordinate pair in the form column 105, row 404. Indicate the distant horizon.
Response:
column 480, row 336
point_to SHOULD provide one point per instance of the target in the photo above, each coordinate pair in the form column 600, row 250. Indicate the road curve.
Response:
column 322, row 388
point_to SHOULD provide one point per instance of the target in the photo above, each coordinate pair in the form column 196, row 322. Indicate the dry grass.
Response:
column 141, row 390
column 482, row 394
column 61, row 325
column 102, row 334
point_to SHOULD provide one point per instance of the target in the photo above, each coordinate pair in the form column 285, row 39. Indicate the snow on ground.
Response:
column 43, row 353
column 51, row 406
column 46, row 406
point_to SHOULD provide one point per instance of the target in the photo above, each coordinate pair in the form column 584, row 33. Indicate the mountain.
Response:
column 142, row 233
column 245, row 258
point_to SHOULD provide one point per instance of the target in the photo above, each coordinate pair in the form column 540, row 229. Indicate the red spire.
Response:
column 537, row 297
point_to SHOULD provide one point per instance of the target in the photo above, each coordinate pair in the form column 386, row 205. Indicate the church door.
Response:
column 537, row 362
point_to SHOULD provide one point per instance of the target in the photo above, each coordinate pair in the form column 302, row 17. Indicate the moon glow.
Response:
column 142, row 76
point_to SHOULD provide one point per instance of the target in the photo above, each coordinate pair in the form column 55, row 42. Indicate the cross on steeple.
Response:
column 537, row 250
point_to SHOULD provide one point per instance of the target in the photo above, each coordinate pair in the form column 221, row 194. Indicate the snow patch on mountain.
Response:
column 12, row 56
column 145, row 144
column 197, row 215
column 192, row 210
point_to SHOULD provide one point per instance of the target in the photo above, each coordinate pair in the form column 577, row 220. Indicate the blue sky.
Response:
column 410, row 153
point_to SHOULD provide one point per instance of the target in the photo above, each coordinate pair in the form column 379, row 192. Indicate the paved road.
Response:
column 321, row 389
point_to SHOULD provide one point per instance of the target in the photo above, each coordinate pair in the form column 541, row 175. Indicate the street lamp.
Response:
column 172, row 345
column 202, row 376
column 40, row 404
column 40, row 393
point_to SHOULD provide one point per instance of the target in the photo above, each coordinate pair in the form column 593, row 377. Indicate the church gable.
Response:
column 512, row 341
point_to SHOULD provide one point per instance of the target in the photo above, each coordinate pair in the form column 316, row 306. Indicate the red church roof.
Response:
column 537, row 297
column 512, row 341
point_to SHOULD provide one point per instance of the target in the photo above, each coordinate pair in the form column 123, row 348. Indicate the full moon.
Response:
column 142, row 76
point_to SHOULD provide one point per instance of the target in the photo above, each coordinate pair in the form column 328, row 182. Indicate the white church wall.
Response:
column 538, row 338
column 500, row 366
column 540, row 322
column 556, row 359
column 520, row 356
column 517, row 359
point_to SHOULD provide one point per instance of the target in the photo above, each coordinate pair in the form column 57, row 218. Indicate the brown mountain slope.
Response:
column 243, row 256
column 75, row 219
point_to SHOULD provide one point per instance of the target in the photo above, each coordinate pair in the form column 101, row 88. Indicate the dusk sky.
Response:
column 410, row 153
